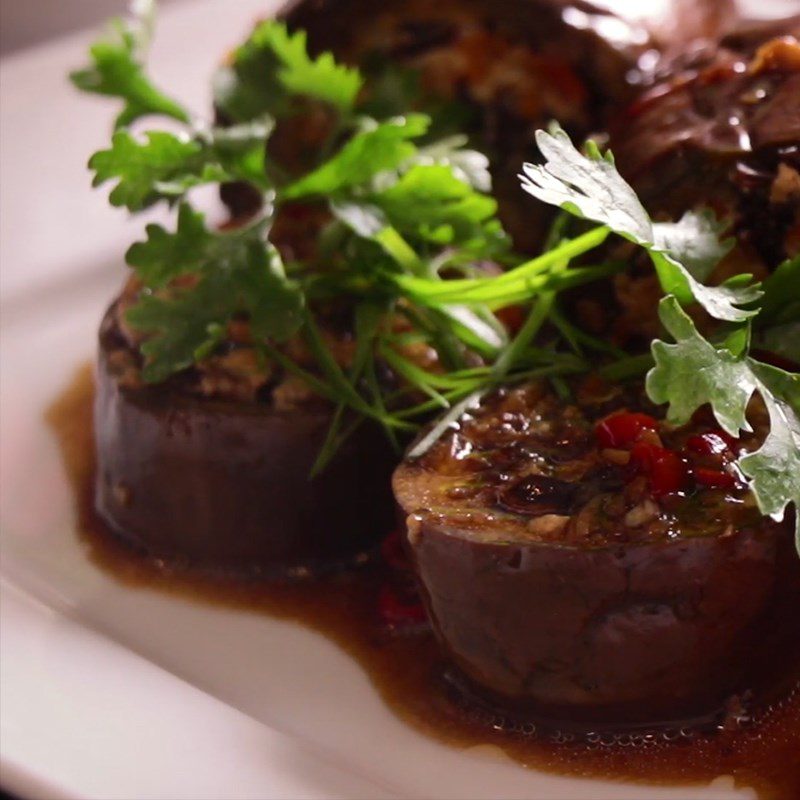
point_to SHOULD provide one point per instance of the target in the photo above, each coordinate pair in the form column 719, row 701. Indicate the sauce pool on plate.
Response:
column 759, row 749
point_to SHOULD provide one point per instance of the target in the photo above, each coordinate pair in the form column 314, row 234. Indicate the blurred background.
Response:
column 26, row 22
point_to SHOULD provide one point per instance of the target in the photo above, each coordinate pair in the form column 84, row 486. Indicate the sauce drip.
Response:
column 405, row 666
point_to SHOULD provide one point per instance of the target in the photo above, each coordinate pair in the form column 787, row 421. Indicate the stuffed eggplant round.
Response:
column 222, row 483
column 584, row 561
column 721, row 128
column 493, row 71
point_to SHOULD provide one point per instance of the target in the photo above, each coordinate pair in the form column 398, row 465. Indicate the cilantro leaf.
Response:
column 141, row 165
column 165, row 255
column 431, row 202
column 431, row 199
column 692, row 372
column 469, row 166
column 780, row 304
column 774, row 469
column 321, row 78
column 117, row 69
column 783, row 340
column 376, row 148
column 274, row 64
column 776, row 328
column 273, row 302
column 181, row 326
column 166, row 165
column 683, row 253
column 237, row 274
column 228, row 154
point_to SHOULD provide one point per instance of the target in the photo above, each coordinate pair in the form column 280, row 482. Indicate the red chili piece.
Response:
column 396, row 610
column 392, row 551
column 623, row 429
column 714, row 478
column 513, row 317
column 711, row 443
column 665, row 469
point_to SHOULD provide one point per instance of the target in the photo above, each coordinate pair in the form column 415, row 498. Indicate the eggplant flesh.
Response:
column 621, row 628
column 224, row 486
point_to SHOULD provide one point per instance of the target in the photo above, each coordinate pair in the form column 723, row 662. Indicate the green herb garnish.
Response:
column 693, row 371
column 410, row 224
column 118, row 68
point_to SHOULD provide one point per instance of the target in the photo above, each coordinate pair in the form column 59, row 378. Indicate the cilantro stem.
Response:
column 578, row 337
column 538, row 314
column 316, row 385
column 627, row 367
column 466, row 290
column 344, row 389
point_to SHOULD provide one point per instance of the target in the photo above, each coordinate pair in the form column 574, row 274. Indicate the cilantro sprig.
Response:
column 273, row 67
column 401, row 207
column 693, row 371
column 117, row 68
column 161, row 165
column 683, row 253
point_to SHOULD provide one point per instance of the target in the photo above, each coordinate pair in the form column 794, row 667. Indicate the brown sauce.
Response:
column 406, row 668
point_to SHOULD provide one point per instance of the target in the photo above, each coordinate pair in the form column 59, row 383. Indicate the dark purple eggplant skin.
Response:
column 638, row 634
column 224, row 486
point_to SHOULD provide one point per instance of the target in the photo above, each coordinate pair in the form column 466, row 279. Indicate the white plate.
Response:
column 109, row 691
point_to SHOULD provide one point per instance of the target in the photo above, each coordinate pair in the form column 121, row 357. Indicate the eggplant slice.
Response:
column 721, row 128
column 223, row 485
column 564, row 584
column 494, row 71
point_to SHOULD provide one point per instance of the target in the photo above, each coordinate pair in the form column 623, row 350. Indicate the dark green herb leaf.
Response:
column 467, row 165
column 781, row 301
column 165, row 255
column 274, row 303
column 271, row 66
column 237, row 272
column 181, row 325
column 692, row 372
column 376, row 148
column 141, row 165
column 433, row 204
column 321, row 78
column 117, row 69
column 783, row 340
column 163, row 165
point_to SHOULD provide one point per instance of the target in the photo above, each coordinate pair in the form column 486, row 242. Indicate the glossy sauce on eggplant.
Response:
column 368, row 613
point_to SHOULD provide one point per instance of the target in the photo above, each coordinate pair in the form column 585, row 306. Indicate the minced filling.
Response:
column 237, row 370
column 597, row 468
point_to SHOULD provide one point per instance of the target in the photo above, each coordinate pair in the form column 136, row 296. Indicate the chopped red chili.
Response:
column 392, row 551
column 398, row 611
column 714, row 478
column 512, row 317
column 665, row 469
column 623, row 429
column 711, row 443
